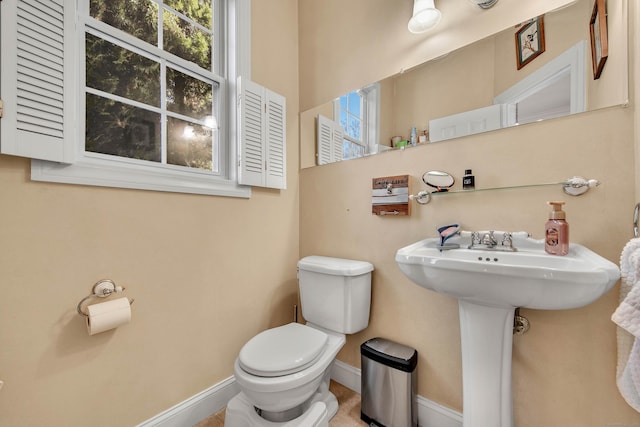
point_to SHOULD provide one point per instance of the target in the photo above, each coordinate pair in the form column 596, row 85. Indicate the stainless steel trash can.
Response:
column 388, row 393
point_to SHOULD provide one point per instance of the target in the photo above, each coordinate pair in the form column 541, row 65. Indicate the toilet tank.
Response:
column 335, row 293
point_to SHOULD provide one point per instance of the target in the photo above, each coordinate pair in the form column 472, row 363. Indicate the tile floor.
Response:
column 348, row 413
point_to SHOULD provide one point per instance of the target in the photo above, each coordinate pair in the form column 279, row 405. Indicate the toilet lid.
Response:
column 283, row 350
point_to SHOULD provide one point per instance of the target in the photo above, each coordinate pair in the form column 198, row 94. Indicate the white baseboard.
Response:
column 430, row 413
column 197, row 407
column 347, row 375
column 213, row 399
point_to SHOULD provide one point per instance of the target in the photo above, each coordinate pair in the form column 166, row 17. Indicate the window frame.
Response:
column 111, row 171
column 362, row 118
column 370, row 125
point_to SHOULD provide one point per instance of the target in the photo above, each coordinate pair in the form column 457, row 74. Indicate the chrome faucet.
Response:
column 487, row 241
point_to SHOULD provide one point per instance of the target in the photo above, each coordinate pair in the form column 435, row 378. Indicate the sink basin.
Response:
column 489, row 285
column 528, row 278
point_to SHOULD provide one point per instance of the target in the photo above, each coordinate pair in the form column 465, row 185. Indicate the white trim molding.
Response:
column 208, row 402
column 430, row 413
column 197, row 407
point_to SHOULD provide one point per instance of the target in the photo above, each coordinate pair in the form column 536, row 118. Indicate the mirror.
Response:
column 439, row 180
column 485, row 75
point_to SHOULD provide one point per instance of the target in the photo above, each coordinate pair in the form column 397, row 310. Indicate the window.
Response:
column 151, row 89
column 357, row 113
column 140, row 94
column 351, row 117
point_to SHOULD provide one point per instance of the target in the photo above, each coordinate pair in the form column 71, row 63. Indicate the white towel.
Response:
column 627, row 316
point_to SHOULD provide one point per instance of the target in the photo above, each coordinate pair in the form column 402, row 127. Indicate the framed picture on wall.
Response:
column 529, row 41
column 599, row 39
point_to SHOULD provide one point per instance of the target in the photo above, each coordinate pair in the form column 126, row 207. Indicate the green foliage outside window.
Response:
column 133, row 131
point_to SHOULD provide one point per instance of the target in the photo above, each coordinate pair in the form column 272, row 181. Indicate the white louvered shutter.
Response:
column 37, row 79
column 330, row 136
column 325, row 138
column 262, row 136
column 276, row 139
column 338, row 138
column 250, row 124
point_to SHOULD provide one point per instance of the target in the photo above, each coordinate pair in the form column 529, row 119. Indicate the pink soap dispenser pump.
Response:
column 556, row 231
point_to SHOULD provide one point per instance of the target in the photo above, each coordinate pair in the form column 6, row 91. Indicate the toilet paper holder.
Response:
column 102, row 289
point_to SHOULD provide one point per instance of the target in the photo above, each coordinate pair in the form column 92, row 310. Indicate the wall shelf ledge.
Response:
column 574, row 186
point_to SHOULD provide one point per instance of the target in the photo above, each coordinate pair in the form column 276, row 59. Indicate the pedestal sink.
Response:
column 489, row 285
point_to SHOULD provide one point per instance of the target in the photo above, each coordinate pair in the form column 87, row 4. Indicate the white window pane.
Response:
column 121, row 130
column 343, row 103
column 116, row 70
column 189, row 96
column 344, row 120
column 189, row 144
column 187, row 41
column 199, row 11
column 354, row 129
column 354, row 104
column 136, row 17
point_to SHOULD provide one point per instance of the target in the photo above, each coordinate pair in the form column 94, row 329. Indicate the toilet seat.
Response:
column 283, row 350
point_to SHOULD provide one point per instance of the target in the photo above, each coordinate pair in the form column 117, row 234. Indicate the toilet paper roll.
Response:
column 108, row 315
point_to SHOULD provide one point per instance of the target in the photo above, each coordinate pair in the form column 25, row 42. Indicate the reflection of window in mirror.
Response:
column 357, row 113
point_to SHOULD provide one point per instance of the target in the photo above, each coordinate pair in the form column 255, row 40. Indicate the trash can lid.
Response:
column 391, row 348
column 390, row 353
column 334, row 266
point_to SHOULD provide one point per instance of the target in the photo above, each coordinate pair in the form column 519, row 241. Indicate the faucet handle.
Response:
column 507, row 239
column 475, row 238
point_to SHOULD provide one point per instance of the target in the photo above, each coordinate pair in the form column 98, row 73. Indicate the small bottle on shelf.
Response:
column 468, row 180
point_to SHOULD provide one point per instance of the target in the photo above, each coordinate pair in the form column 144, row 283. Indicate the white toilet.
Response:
column 284, row 372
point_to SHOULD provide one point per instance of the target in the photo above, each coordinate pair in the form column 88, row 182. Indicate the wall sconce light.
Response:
column 485, row 4
column 425, row 16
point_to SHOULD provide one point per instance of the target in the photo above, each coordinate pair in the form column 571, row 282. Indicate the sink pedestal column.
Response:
column 487, row 338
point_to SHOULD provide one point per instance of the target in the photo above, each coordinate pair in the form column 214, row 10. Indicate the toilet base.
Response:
column 321, row 408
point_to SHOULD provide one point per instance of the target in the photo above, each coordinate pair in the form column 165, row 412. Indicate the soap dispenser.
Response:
column 556, row 231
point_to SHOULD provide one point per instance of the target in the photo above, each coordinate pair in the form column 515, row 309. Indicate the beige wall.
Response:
column 380, row 42
column 634, row 86
column 472, row 76
column 564, row 367
column 442, row 87
column 182, row 257
column 563, row 29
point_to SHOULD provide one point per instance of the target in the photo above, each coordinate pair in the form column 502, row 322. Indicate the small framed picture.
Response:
column 599, row 39
column 529, row 41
